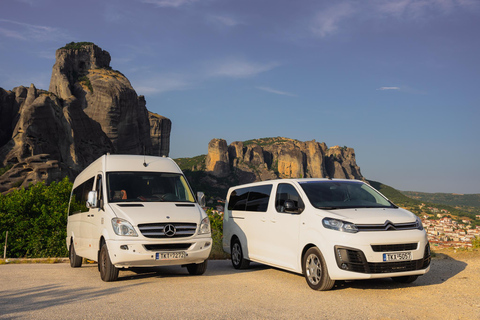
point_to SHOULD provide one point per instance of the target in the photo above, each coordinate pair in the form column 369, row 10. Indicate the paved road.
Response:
column 56, row 291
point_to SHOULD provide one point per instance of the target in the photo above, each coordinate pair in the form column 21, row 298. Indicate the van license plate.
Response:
column 169, row 255
column 399, row 256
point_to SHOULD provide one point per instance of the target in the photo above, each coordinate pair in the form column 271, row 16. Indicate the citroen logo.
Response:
column 169, row 230
column 389, row 226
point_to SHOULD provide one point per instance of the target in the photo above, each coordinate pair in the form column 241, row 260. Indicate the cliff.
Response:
column 265, row 159
column 89, row 110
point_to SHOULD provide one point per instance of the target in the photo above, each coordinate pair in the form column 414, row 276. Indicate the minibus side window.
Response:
column 258, row 197
column 80, row 196
column 286, row 191
column 99, row 190
column 238, row 199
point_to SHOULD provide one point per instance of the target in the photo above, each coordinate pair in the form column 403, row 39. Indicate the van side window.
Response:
column 258, row 198
column 80, row 196
column 238, row 199
column 286, row 191
column 99, row 189
column 250, row 198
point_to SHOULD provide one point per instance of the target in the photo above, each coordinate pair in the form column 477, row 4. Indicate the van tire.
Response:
column 405, row 279
column 75, row 261
column 108, row 272
column 315, row 270
column 238, row 260
column 197, row 269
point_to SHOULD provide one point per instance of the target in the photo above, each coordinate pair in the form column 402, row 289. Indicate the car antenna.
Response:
column 144, row 161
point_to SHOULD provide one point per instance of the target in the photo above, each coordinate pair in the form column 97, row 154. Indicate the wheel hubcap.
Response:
column 313, row 269
column 236, row 253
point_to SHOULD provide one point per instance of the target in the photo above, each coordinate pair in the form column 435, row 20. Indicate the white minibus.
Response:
column 325, row 229
column 136, row 211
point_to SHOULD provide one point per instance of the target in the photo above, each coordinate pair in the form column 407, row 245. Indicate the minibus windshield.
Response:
column 148, row 187
column 332, row 195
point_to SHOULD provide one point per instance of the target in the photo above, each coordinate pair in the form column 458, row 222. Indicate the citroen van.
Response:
column 136, row 211
column 325, row 229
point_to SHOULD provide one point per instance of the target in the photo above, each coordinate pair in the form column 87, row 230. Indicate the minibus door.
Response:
column 94, row 220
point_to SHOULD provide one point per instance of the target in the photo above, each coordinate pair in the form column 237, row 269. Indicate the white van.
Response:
column 136, row 211
column 325, row 229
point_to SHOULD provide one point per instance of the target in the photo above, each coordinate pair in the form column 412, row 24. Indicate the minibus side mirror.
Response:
column 290, row 207
column 92, row 200
column 201, row 199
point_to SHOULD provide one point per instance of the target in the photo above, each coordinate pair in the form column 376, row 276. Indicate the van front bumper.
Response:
column 124, row 254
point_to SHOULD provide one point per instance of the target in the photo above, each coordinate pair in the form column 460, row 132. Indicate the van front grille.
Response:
column 167, row 230
column 394, row 247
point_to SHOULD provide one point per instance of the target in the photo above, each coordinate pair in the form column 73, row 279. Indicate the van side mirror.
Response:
column 201, row 199
column 92, row 200
column 290, row 207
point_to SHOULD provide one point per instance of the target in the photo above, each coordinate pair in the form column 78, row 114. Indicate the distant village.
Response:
column 443, row 231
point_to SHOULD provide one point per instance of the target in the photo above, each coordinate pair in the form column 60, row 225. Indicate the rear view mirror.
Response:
column 290, row 207
column 201, row 199
column 92, row 200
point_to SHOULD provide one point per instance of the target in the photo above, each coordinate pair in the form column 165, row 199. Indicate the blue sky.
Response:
column 398, row 81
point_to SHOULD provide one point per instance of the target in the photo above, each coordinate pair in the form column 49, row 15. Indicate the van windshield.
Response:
column 148, row 186
column 343, row 195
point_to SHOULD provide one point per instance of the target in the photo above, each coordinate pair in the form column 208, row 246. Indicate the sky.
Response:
column 397, row 80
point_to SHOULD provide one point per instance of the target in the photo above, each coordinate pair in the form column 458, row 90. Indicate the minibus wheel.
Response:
column 75, row 261
column 238, row 261
column 108, row 272
column 405, row 279
column 315, row 270
column 197, row 269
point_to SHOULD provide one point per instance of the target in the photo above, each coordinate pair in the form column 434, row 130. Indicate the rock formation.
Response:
column 272, row 158
column 88, row 111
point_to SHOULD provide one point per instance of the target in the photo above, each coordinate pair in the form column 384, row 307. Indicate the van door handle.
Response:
column 263, row 219
column 273, row 220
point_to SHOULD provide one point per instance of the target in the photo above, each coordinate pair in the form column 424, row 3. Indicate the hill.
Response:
column 468, row 202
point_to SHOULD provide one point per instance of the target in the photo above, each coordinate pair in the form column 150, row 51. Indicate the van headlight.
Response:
column 204, row 226
column 123, row 228
column 339, row 225
column 418, row 223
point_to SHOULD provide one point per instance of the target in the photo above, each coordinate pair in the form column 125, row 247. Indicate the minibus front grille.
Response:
column 167, row 246
column 167, row 230
column 394, row 247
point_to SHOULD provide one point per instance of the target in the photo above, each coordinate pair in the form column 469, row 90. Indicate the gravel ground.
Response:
column 451, row 290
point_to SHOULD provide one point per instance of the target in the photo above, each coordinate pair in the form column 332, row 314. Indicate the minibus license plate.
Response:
column 169, row 255
column 399, row 256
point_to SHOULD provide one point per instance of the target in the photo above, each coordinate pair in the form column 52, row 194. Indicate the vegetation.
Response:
column 265, row 141
column 36, row 220
column 197, row 162
column 216, row 223
column 5, row 169
column 76, row 45
column 84, row 80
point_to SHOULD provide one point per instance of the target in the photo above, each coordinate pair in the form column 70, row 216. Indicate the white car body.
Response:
column 281, row 239
column 92, row 226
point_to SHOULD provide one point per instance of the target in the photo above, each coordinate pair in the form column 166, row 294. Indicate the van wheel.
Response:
column 315, row 270
column 238, row 261
column 405, row 279
column 197, row 269
column 75, row 261
column 108, row 272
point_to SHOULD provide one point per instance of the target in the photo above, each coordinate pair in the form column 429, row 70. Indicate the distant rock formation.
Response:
column 273, row 158
column 88, row 111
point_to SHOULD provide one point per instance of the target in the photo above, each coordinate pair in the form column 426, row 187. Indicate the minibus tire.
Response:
column 108, row 272
column 405, row 279
column 238, row 260
column 315, row 270
column 75, row 261
column 197, row 269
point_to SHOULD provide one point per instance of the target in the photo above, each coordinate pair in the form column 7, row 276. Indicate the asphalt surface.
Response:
column 56, row 291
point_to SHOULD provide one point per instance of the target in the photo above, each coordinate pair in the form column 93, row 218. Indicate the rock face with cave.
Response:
column 88, row 111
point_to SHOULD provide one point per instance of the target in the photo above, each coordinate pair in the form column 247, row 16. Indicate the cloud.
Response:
column 224, row 20
column 162, row 83
column 283, row 93
column 238, row 68
column 419, row 8
column 169, row 3
column 327, row 21
column 389, row 88
column 29, row 32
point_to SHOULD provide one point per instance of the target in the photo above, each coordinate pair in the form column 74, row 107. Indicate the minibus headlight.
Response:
column 204, row 226
column 123, row 227
column 418, row 223
column 339, row 225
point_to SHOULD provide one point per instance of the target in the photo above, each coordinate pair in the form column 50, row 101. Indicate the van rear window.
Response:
column 250, row 198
